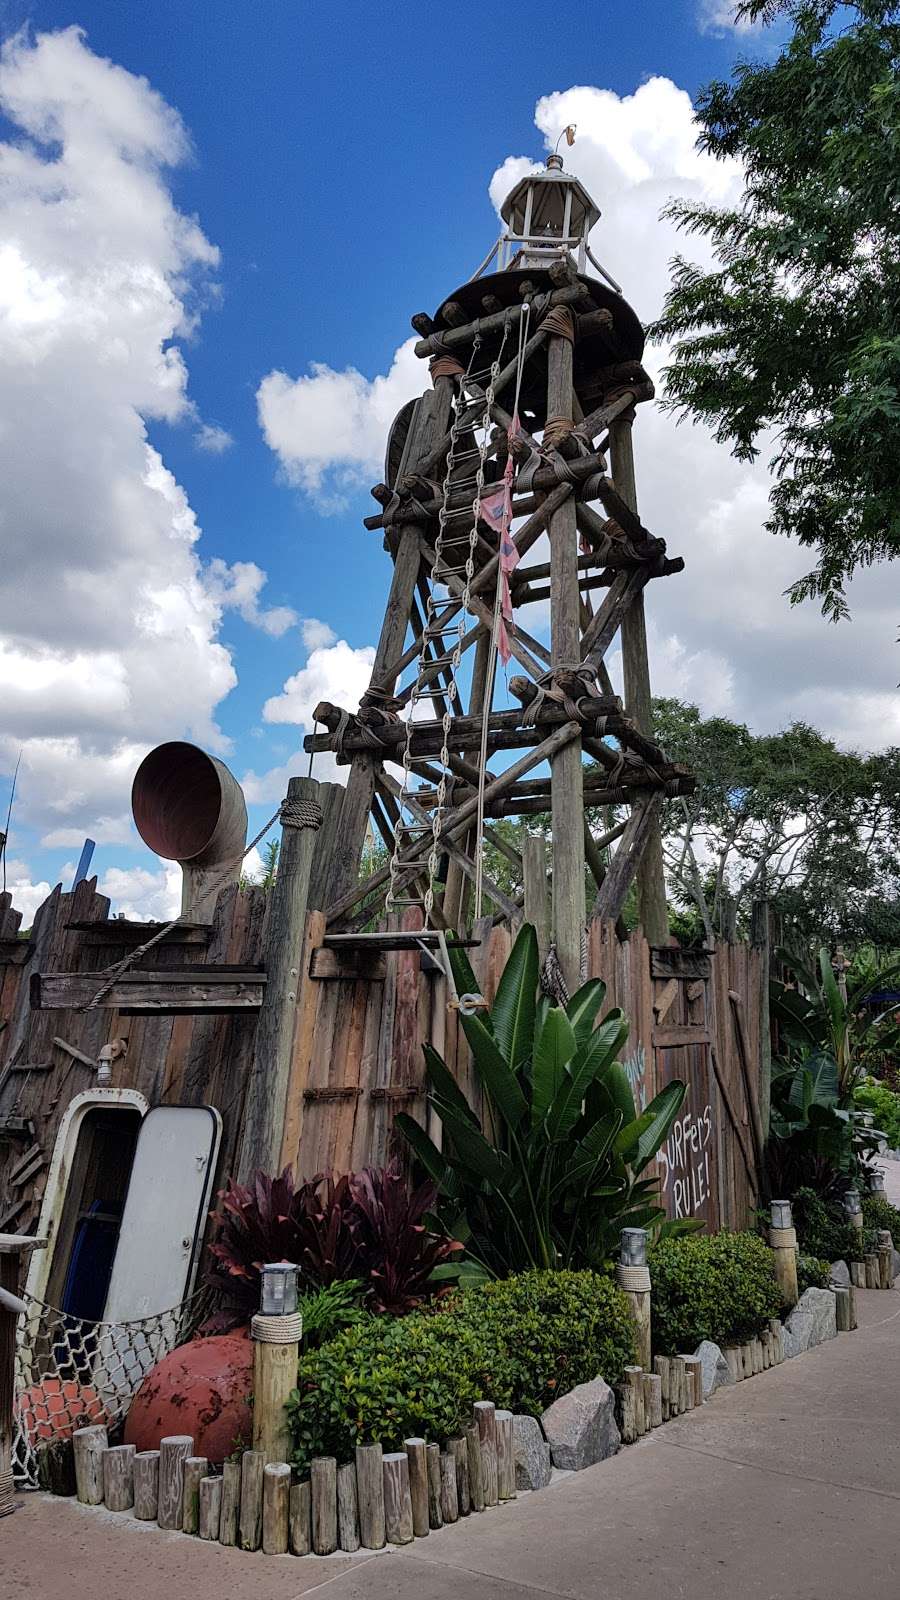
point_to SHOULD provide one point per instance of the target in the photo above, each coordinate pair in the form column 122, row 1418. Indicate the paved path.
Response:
column 787, row 1485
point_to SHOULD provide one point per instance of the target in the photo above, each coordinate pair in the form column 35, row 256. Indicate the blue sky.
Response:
column 340, row 161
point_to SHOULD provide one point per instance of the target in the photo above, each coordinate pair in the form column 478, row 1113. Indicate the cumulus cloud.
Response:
column 212, row 439
column 335, row 671
column 109, row 618
column 27, row 895
column 328, row 429
column 718, row 17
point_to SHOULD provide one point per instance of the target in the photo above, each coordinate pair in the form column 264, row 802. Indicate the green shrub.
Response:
column 823, row 1230
column 879, row 1213
column 519, row 1343
column 885, row 1107
column 812, row 1273
column 720, row 1287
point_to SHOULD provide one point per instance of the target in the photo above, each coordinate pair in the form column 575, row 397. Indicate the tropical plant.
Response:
column 811, row 1134
column 717, row 1286
column 812, row 1273
column 328, row 1310
column 363, row 1228
column 884, row 1105
column 520, row 1343
column 823, row 1229
column 818, row 1017
column 553, row 1173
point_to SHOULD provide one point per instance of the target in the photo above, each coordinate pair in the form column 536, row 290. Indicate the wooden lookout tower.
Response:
column 525, row 429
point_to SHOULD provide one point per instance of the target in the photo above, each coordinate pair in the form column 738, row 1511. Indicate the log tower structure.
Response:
column 536, row 373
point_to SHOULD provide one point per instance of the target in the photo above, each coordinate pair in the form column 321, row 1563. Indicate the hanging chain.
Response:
column 411, row 823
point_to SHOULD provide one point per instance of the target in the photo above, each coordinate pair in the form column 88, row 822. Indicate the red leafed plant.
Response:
column 365, row 1227
column 397, row 1249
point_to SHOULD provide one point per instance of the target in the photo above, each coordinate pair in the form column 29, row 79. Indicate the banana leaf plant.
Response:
column 553, row 1172
column 815, row 1017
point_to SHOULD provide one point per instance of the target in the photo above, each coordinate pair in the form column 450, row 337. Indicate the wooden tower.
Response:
column 535, row 374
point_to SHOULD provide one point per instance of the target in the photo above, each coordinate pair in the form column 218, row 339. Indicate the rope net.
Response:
column 70, row 1372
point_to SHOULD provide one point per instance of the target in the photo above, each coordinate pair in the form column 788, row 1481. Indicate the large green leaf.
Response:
column 512, row 1013
column 583, row 1007
column 581, row 1170
column 617, row 1085
column 471, row 1150
column 639, row 1142
column 553, row 1050
column 463, row 976
column 432, row 1160
column 495, row 1072
column 444, row 1084
column 834, row 1000
column 592, row 1059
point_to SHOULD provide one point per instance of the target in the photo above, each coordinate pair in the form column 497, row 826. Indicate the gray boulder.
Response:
column 895, row 1264
column 840, row 1274
column 532, row 1454
column 580, row 1426
column 811, row 1321
column 713, row 1366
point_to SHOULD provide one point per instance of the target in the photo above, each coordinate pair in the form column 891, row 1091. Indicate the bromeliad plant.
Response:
column 553, row 1173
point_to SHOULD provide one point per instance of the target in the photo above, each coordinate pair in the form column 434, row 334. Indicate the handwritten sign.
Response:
column 684, row 1162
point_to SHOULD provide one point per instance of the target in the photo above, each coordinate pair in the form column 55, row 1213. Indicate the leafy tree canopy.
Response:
column 797, row 329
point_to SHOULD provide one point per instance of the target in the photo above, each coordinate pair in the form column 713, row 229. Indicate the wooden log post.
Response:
column 323, row 1488
column 858, row 1274
column 693, row 1369
column 653, row 1399
column 661, row 1368
column 348, row 1508
column 449, row 1496
column 783, row 1240
column 537, row 903
column 633, row 1277
column 652, row 909
column 417, row 1456
column 506, row 1456
column 476, row 1469
column 854, row 1323
column 461, row 1457
column 276, row 1507
column 433, row 1468
column 842, row 1310
column 300, row 1519
column 276, row 1330
column 732, row 1355
column 250, row 1512
column 146, row 1485
column 209, row 1507
column 634, row 1382
column 195, row 1470
column 56, row 1467
column 679, row 1385
column 873, row 1270
column 370, row 1492
column 398, row 1522
column 267, row 1091
column 628, row 1420
column 89, row 1446
column 486, row 1423
column 776, row 1328
column 229, row 1515
column 118, row 1477
column 885, row 1243
column 173, row 1452
column 566, row 774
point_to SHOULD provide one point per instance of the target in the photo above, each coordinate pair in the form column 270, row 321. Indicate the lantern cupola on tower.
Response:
column 548, row 214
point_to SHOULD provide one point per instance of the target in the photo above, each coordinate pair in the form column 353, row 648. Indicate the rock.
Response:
column 714, row 1367
column 580, row 1426
column 532, row 1454
column 895, row 1264
column 811, row 1321
column 840, row 1274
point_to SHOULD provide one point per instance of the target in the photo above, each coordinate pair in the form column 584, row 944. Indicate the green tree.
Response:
column 797, row 327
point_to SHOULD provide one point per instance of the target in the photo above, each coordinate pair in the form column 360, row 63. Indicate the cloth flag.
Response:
column 496, row 509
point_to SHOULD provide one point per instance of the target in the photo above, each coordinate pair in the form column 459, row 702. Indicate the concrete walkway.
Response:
column 786, row 1485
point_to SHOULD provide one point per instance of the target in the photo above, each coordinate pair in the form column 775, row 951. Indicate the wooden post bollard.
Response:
column 173, row 1452
column 209, row 1507
column 633, row 1276
column 506, row 1459
column 486, row 1423
column 873, row 1270
column 680, row 1386
column 634, row 1380
column 56, row 1467
column 417, row 1457
column 461, row 1457
column 118, row 1477
column 885, row 1243
column 842, row 1310
column 661, row 1368
column 733, row 1357
column 348, row 1508
column 276, row 1330
column 854, row 1323
column 783, row 1240
column 693, row 1373
column 776, row 1328
column 145, row 1472
column 230, row 1511
column 89, row 1446
column 300, row 1519
column 449, row 1497
column 475, row 1465
column 398, row 1523
column 370, row 1493
column 195, row 1469
column 858, row 1274
column 323, row 1486
column 250, row 1512
column 433, row 1468
column 653, row 1399
column 276, row 1507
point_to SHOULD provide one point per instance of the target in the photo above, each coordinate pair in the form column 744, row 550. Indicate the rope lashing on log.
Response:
column 635, row 1280
column 300, row 814
column 552, row 981
column 567, row 685
column 445, row 365
column 559, row 322
column 277, row 1329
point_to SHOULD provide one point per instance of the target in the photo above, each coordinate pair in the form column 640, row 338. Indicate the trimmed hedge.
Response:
column 720, row 1287
column 519, row 1342
column 812, row 1273
column 879, row 1213
column 823, row 1230
column 870, row 1095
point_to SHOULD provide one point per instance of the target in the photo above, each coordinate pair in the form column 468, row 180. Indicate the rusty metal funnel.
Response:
column 189, row 808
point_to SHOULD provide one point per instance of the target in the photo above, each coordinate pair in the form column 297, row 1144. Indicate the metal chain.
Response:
column 426, row 678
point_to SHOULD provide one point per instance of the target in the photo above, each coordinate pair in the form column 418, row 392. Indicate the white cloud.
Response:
column 335, row 671
column 143, row 895
column 718, row 17
column 212, row 439
column 110, row 620
column 105, row 830
column 328, row 429
column 27, row 896
column 316, row 633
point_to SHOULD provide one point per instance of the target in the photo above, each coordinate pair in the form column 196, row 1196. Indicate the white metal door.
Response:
column 165, row 1211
